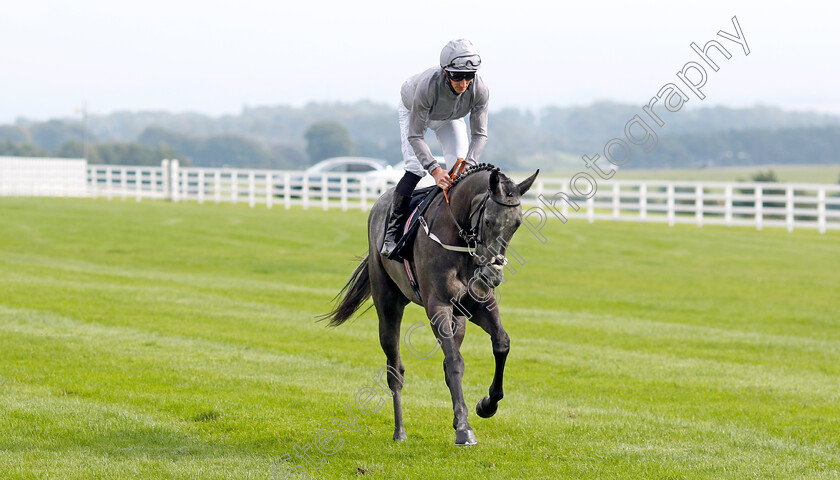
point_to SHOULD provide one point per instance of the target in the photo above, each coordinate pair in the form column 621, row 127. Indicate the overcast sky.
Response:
column 216, row 57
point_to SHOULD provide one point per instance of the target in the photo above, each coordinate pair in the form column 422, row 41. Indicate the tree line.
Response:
column 284, row 137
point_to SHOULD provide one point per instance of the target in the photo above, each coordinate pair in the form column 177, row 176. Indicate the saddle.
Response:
column 420, row 200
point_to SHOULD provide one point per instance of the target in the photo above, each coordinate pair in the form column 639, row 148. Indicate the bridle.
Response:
column 473, row 236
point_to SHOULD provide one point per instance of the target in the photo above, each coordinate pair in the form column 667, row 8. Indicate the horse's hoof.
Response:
column 486, row 408
column 400, row 436
column 464, row 438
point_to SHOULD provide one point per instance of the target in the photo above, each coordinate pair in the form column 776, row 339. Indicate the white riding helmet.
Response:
column 460, row 56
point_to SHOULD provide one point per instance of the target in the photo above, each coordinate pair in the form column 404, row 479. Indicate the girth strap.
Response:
column 435, row 238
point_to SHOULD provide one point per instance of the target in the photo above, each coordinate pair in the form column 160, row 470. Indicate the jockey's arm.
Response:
column 478, row 126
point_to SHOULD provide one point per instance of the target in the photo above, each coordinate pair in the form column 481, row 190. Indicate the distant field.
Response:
column 161, row 340
column 786, row 173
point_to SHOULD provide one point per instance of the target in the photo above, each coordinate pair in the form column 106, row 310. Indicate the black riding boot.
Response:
column 399, row 208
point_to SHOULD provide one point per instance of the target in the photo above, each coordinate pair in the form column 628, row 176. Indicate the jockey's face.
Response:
column 460, row 82
column 460, row 86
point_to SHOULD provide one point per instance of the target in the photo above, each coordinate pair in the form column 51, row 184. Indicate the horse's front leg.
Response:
column 449, row 331
column 489, row 320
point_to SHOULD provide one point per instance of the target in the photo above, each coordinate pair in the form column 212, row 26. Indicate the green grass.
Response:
column 160, row 340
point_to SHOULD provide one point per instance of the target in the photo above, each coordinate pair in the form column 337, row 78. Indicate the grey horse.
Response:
column 457, row 263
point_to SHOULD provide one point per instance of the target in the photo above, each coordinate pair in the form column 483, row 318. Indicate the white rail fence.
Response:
column 757, row 205
column 43, row 177
column 269, row 187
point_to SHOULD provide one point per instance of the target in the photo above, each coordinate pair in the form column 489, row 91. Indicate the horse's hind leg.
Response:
column 449, row 331
column 389, row 337
column 390, row 304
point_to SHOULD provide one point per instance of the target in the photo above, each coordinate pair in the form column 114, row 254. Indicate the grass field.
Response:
column 160, row 340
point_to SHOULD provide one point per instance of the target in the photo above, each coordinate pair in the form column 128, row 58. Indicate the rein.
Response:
column 472, row 236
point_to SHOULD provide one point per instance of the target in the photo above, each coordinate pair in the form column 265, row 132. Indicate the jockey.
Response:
column 439, row 99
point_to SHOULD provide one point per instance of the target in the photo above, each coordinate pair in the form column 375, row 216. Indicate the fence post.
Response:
column 108, row 179
column 343, row 188
column 616, row 202
column 252, row 190
column 123, row 183
column 325, row 192
column 590, row 209
column 138, row 184
column 643, row 202
column 564, row 208
column 363, row 193
column 165, row 173
column 269, row 189
column 175, row 180
column 671, row 205
column 759, row 207
column 201, row 187
column 234, row 186
column 166, row 179
column 821, row 210
column 727, row 206
column 698, row 204
column 789, row 208
column 305, row 192
column 287, row 190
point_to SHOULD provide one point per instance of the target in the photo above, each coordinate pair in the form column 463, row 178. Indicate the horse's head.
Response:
column 496, row 216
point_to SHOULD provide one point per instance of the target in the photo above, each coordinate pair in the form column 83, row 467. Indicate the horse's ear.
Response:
column 526, row 184
column 494, row 182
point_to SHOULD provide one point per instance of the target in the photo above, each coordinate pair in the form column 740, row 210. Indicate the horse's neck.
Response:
column 470, row 187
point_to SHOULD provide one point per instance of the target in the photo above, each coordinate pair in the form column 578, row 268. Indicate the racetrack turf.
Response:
column 160, row 340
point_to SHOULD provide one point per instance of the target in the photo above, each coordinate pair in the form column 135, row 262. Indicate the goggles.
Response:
column 467, row 62
column 458, row 76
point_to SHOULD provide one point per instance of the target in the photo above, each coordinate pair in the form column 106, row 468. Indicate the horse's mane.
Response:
column 474, row 169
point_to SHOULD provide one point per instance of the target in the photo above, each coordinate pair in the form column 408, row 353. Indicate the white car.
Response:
column 396, row 171
column 370, row 167
column 347, row 165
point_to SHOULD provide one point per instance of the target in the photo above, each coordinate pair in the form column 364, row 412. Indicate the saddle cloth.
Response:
column 418, row 204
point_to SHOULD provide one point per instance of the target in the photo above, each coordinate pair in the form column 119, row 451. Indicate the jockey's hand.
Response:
column 441, row 178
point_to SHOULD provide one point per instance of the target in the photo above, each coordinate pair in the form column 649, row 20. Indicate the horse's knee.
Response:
column 501, row 344
column 396, row 382
column 393, row 377
column 453, row 365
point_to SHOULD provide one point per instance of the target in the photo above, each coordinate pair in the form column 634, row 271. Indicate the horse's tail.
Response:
column 352, row 296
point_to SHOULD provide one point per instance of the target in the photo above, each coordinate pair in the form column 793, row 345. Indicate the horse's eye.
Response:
column 487, row 223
